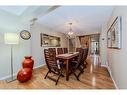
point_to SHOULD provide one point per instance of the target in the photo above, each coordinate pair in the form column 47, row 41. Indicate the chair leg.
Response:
column 80, row 69
column 58, row 79
column 46, row 74
column 86, row 63
column 83, row 66
column 80, row 73
column 57, row 73
column 76, row 76
column 62, row 75
column 73, row 71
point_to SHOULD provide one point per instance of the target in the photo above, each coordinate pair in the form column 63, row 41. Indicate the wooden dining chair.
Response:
column 60, row 51
column 79, row 64
column 78, row 49
column 74, row 65
column 65, row 50
column 83, row 61
column 53, row 66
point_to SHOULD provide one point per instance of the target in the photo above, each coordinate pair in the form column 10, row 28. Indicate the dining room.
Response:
column 63, row 46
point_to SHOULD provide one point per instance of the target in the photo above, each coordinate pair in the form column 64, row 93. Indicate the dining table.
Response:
column 66, row 57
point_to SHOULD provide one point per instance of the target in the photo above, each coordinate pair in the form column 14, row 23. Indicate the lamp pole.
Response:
column 11, row 63
column 11, row 39
column 12, row 78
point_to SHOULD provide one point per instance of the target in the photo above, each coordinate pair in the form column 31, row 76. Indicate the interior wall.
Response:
column 77, row 42
column 37, row 50
column 103, row 45
column 117, row 59
column 11, row 23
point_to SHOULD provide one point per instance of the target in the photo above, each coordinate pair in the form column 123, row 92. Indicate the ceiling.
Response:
column 14, row 9
column 84, row 19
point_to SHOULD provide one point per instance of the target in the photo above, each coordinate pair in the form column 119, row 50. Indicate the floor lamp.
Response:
column 11, row 39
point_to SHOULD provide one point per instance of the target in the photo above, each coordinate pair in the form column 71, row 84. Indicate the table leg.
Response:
column 67, row 69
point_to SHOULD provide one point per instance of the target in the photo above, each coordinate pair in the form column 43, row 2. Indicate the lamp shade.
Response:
column 11, row 38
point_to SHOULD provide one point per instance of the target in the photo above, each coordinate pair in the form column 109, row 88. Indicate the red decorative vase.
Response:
column 28, row 62
column 24, row 74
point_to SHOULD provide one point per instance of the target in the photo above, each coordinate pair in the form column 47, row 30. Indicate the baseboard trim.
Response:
column 7, row 77
column 15, row 74
column 109, row 70
column 39, row 66
column 104, row 66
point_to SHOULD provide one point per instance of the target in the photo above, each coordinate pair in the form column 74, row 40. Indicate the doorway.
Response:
column 95, row 44
column 92, row 42
column 71, row 44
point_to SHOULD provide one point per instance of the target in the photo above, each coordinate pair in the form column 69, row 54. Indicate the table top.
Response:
column 67, row 55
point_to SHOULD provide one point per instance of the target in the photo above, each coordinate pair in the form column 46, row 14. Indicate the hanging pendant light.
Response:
column 70, row 32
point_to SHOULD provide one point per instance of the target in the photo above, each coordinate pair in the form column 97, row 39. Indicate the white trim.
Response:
column 104, row 66
column 39, row 66
column 8, row 76
column 109, row 70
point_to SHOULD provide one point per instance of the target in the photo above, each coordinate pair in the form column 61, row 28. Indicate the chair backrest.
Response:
column 85, row 53
column 59, row 51
column 65, row 50
column 80, row 57
column 78, row 49
column 53, row 50
column 50, row 59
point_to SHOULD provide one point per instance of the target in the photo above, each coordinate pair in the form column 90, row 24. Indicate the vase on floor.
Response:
column 24, row 74
column 28, row 62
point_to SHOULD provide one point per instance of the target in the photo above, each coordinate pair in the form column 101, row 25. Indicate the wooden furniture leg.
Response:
column 67, row 69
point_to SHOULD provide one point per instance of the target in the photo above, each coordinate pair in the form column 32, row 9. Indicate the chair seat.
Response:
column 73, row 63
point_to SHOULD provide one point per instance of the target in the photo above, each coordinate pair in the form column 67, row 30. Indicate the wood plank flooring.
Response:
column 94, row 77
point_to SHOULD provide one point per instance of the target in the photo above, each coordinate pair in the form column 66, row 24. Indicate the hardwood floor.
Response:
column 94, row 77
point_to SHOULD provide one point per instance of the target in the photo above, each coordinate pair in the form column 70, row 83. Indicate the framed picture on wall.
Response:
column 49, row 40
column 114, row 34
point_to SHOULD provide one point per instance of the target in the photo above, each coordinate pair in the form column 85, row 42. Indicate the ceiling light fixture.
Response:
column 32, row 21
column 70, row 32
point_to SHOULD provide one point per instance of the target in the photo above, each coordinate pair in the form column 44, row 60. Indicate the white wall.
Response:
column 77, row 42
column 37, row 50
column 103, row 45
column 118, row 58
column 12, row 23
